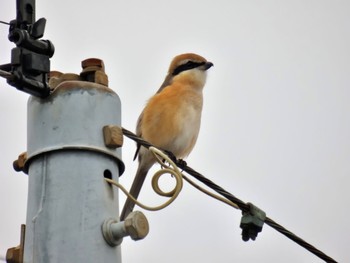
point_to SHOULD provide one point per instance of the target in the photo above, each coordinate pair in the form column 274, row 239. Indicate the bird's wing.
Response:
column 138, row 133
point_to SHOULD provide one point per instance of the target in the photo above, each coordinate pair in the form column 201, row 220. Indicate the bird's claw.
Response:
column 181, row 163
column 171, row 156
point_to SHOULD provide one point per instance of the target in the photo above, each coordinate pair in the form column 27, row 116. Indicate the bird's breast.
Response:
column 171, row 120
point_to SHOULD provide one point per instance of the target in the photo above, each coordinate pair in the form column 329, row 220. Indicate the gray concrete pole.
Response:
column 68, row 198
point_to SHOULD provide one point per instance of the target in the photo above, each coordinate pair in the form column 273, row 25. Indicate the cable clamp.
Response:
column 252, row 222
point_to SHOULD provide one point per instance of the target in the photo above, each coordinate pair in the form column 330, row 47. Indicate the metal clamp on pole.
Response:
column 252, row 222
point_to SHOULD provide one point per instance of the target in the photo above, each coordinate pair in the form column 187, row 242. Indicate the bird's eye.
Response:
column 190, row 63
column 187, row 66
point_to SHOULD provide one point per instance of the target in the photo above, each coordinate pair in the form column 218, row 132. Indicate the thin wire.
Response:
column 219, row 198
column 241, row 205
column 148, row 145
column 268, row 220
column 3, row 22
column 146, row 207
column 5, row 74
column 169, row 169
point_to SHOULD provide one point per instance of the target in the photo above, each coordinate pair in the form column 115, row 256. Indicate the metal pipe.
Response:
column 68, row 198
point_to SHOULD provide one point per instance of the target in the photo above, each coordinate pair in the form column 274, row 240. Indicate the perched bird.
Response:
column 171, row 118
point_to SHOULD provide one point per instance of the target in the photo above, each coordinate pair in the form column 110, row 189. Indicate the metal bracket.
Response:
column 252, row 222
column 15, row 254
column 30, row 59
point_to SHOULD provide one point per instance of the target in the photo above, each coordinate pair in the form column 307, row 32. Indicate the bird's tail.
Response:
column 134, row 191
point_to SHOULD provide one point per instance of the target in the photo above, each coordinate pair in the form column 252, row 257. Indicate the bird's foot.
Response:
column 171, row 156
column 181, row 163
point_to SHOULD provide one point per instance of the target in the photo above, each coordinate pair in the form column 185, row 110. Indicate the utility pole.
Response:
column 74, row 142
column 67, row 161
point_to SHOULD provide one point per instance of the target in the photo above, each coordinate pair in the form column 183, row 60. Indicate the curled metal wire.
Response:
column 169, row 167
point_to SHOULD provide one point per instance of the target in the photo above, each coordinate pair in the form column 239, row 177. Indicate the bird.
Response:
column 171, row 118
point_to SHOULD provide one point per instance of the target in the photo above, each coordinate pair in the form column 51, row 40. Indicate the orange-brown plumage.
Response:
column 171, row 118
column 169, row 112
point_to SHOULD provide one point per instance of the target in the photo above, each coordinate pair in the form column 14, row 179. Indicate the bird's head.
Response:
column 188, row 61
column 187, row 68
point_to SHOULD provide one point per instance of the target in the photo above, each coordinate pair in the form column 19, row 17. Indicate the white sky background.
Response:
column 275, row 126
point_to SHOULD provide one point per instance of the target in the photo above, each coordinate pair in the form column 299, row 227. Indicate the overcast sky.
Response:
column 275, row 126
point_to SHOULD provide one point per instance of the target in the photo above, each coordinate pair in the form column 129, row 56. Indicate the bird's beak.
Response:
column 208, row 65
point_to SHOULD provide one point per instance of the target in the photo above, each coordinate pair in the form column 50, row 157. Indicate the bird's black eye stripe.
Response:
column 187, row 66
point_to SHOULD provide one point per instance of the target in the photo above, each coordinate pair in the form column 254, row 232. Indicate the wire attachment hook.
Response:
column 252, row 222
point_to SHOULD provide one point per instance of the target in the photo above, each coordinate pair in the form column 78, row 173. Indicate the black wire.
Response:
column 2, row 22
column 242, row 205
column 298, row 240
column 245, row 208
